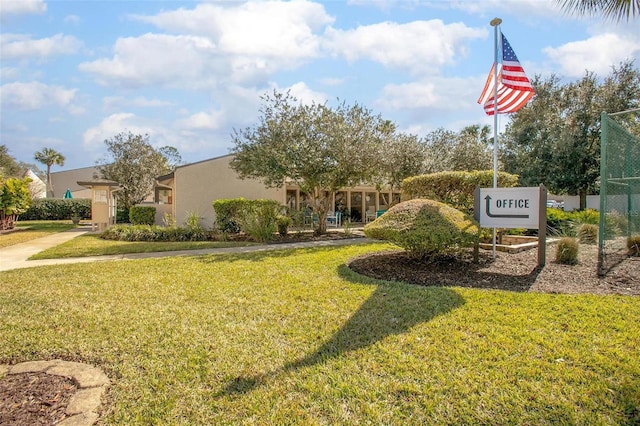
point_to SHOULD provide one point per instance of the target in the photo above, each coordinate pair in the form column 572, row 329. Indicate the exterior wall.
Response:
column 69, row 179
column 197, row 185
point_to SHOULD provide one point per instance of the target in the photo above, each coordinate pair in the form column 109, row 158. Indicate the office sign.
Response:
column 510, row 207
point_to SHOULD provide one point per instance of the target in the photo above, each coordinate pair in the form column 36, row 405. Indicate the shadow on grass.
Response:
column 390, row 310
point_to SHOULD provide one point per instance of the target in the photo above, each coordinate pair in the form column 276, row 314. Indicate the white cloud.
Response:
column 442, row 94
column 305, row 94
column 159, row 59
column 35, row 95
column 419, row 46
column 266, row 29
column 116, row 102
column 72, row 19
column 22, row 7
column 203, row 121
column 111, row 126
column 19, row 46
column 328, row 81
column 8, row 73
column 598, row 54
column 488, row 8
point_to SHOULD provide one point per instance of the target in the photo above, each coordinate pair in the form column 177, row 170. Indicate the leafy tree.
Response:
column 473, row 149
column 8, row 165
column 314, row 146
column 467, row 150
column 438, row 145
column 403, row 156
column 49, row 157
column 15, row 198
column 134, row 164
column 555, row 139
column 615, row 9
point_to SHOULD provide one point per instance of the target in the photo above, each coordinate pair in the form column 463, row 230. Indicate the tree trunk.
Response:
column 320, row 207
column 49, row 183
column 583, row 198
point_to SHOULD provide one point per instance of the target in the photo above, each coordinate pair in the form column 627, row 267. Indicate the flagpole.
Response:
column 495, row 23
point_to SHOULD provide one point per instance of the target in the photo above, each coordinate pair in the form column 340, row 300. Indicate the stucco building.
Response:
column 192, row 188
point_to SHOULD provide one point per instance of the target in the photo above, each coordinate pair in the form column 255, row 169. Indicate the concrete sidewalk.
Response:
column 15, row 257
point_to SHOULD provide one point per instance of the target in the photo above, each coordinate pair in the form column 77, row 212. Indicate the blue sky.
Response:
column 74, row 73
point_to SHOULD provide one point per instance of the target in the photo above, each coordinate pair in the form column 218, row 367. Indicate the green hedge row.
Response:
column 256, row 218
column 58, row 209
column 454, row 188
column 142, row 215
column 154, row 233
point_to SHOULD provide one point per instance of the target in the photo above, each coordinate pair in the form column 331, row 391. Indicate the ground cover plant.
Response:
column 296, row 337
column 30, row 230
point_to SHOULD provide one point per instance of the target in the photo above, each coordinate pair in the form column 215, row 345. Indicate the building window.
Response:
column 100, row 196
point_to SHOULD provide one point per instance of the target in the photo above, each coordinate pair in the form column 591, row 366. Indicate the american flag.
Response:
column 514, row 88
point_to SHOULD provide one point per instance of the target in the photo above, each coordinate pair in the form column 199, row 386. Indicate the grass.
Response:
column 30, row 230
column 294, row 337
column 93, row 245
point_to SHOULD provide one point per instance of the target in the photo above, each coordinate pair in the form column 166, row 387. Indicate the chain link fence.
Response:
column 619, row 191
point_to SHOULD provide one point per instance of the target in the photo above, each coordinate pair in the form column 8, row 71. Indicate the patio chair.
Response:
column 333, row 219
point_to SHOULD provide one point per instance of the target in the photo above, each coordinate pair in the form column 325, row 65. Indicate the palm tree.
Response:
column 615, row 9
column 49, row 157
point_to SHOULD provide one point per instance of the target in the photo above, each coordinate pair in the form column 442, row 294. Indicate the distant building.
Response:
column 68, row 179
column 37, row 187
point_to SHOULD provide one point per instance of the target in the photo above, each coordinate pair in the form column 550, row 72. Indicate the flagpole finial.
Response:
column 495, row 22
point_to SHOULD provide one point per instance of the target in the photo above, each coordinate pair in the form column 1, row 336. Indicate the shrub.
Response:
column 228, row 214
column 567, row 251
column 284, row 222
column 587, row 233
column 453, row 188
column 58, row 209
column 153, row 233
column 142, row 215
column 559, row 222
column 586, row 216
column 258, row 219
column 425, row 228
column 15, row 199
column 122, row 216
column 633, row 244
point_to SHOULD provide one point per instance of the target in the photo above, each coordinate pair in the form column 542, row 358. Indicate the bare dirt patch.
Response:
column 512, row 272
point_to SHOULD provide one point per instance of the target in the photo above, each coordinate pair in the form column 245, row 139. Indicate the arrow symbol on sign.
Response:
column 510, row 216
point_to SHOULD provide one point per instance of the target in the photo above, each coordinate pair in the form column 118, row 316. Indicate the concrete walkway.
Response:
column 15, row 257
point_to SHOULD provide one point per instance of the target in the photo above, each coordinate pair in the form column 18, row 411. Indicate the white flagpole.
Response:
column 495, row 23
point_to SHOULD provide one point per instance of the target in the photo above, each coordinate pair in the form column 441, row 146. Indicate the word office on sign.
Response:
column 508, row 207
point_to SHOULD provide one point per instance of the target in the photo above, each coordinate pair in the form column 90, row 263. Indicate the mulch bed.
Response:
column 512, row 272
column 34, row 398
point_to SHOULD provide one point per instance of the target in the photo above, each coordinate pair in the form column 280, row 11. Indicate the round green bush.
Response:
column 424, row 228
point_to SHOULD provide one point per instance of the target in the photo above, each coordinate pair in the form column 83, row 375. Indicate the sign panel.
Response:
column 508, row 207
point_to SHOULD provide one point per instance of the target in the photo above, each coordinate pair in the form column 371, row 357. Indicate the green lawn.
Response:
column 293, row 337
column 31, row 230
column 93, row 245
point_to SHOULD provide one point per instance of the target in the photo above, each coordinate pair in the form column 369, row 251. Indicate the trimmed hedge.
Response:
column 228, row 214
column 142, row 215
column 453, row 188
column 58, row 209
column 256, row 218
column 153, row 233
column 424, row 228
